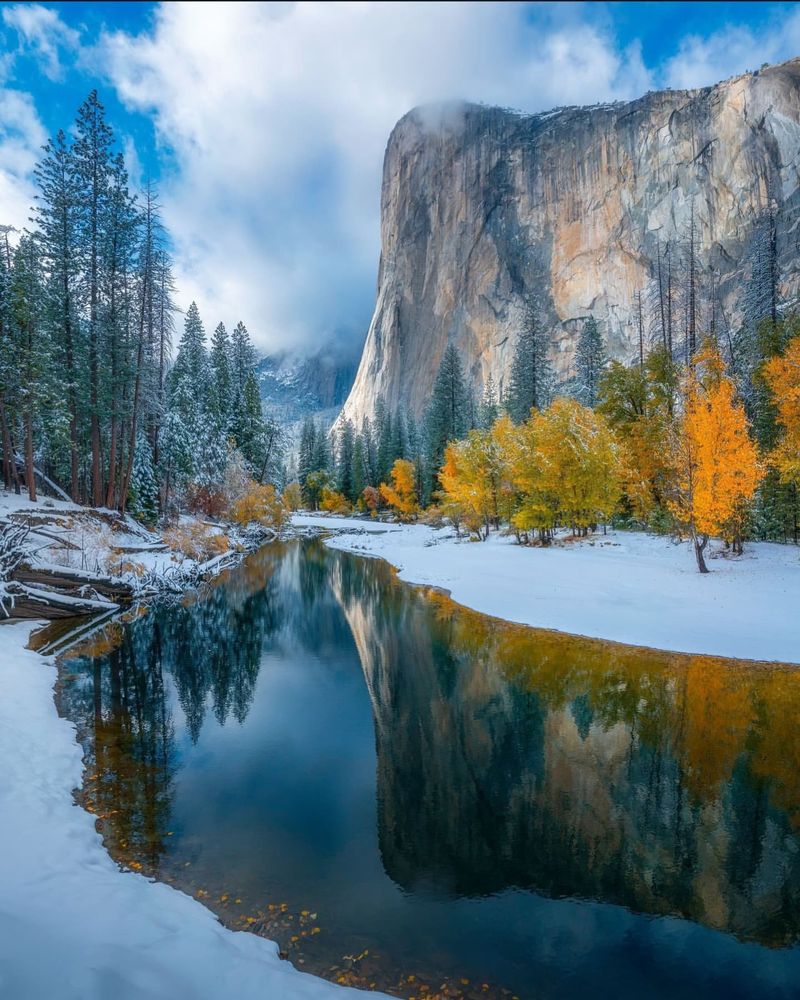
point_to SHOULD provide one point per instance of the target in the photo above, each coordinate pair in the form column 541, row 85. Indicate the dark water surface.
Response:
column 392, row 787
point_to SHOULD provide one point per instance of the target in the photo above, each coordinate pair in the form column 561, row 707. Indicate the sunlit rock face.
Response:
column 483, row 209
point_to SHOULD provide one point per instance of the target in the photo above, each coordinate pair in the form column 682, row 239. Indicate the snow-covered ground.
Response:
column 627, row 586
column 72, row 925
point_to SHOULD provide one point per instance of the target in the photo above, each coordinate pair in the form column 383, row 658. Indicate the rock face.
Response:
column 483, row 209
column 295, row 388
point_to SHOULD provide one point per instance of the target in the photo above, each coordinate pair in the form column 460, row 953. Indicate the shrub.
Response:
column 208, row 500
column 333, row 502
column 371, row 496
column 259, row 504
column 196, row 540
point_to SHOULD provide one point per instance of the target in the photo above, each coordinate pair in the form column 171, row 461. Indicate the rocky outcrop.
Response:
column 484, row 209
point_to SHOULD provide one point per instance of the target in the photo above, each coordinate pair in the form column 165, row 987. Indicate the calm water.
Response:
column 394, row 787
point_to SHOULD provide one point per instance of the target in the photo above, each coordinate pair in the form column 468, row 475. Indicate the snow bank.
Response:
column 627, row 586
column 72, row 925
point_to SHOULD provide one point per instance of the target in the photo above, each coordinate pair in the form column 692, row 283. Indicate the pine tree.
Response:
column 58, row 217
column 344, row 461
column 220, row 398
column 143, row 491
column 191, row 363
column 243, row 358
column 306, row 450
column 92, row 163
column 31, row 349
column 530, row 384
column 489, row 409
column 591, row 361
column 448, row 412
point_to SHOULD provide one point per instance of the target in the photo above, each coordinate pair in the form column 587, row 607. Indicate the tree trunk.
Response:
column 9, row 459
column 112, row 461
column 699, row 547
column 30, row 477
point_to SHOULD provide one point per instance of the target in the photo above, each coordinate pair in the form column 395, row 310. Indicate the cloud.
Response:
column 21, row 137
column 42, row 33
column 701, row 62
column 276, row 117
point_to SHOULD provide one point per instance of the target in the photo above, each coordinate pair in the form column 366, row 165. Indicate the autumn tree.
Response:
column 578, row 462
column 782, row 375
column 715, row 462
column 401, row 493
column 472, row 478
column 639, row 404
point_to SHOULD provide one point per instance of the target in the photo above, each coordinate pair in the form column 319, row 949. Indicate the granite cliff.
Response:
column 484, row 209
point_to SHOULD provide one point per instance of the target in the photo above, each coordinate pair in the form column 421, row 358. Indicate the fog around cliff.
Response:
column 270, row 121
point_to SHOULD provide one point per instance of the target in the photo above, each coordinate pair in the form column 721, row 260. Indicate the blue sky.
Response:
column 265, row 124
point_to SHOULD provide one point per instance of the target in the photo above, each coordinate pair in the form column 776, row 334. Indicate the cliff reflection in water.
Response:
column 510, row 757
column 507, row 757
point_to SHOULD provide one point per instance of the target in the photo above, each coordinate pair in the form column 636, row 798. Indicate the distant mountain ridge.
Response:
column 294, row 387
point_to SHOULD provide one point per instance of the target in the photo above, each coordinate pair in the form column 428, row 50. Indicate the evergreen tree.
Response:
column 591, row 361
column 306, row 450
column 448, row 412
column 220, row 399
column 142, row 490
column 243, row 358
column 191, row 364
column 344, row 460
column 248, row 423
column 92, row 164
column 530, row 384
column 321, row 457
column 58, row 216
column 488, row 409
column 30, row 349
column 360, row 469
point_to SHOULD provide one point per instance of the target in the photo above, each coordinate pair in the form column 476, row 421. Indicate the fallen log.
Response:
column 71, row 580
column 17, row 600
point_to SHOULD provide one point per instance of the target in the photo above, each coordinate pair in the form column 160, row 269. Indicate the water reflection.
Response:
column 506, row 759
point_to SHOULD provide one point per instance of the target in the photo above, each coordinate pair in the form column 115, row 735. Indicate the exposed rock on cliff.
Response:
column 483, row 209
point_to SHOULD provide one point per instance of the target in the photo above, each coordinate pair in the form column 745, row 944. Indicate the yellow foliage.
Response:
column 259, row 504
column 333, row 502
column 292, row 496
column 716, row 464
column 401, row 494
column 782, row 375
column 474, row 480
column 566, row 464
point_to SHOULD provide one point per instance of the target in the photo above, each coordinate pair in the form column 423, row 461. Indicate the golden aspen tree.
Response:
column 401, row 494
column 472, row 478
column 579, row 466
column 782, row 375
column 714, row 459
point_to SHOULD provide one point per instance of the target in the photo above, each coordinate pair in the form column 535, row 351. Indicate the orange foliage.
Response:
column 259, row 504
column 402, row 493
column 716, row 463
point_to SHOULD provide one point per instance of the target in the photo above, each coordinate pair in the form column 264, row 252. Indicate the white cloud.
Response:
column 701, row 62
column 42, row 32
column 278, row 115
column 21, row 137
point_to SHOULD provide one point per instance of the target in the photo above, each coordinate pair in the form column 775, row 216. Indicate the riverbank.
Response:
column 628, row 587
column 104, row 932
